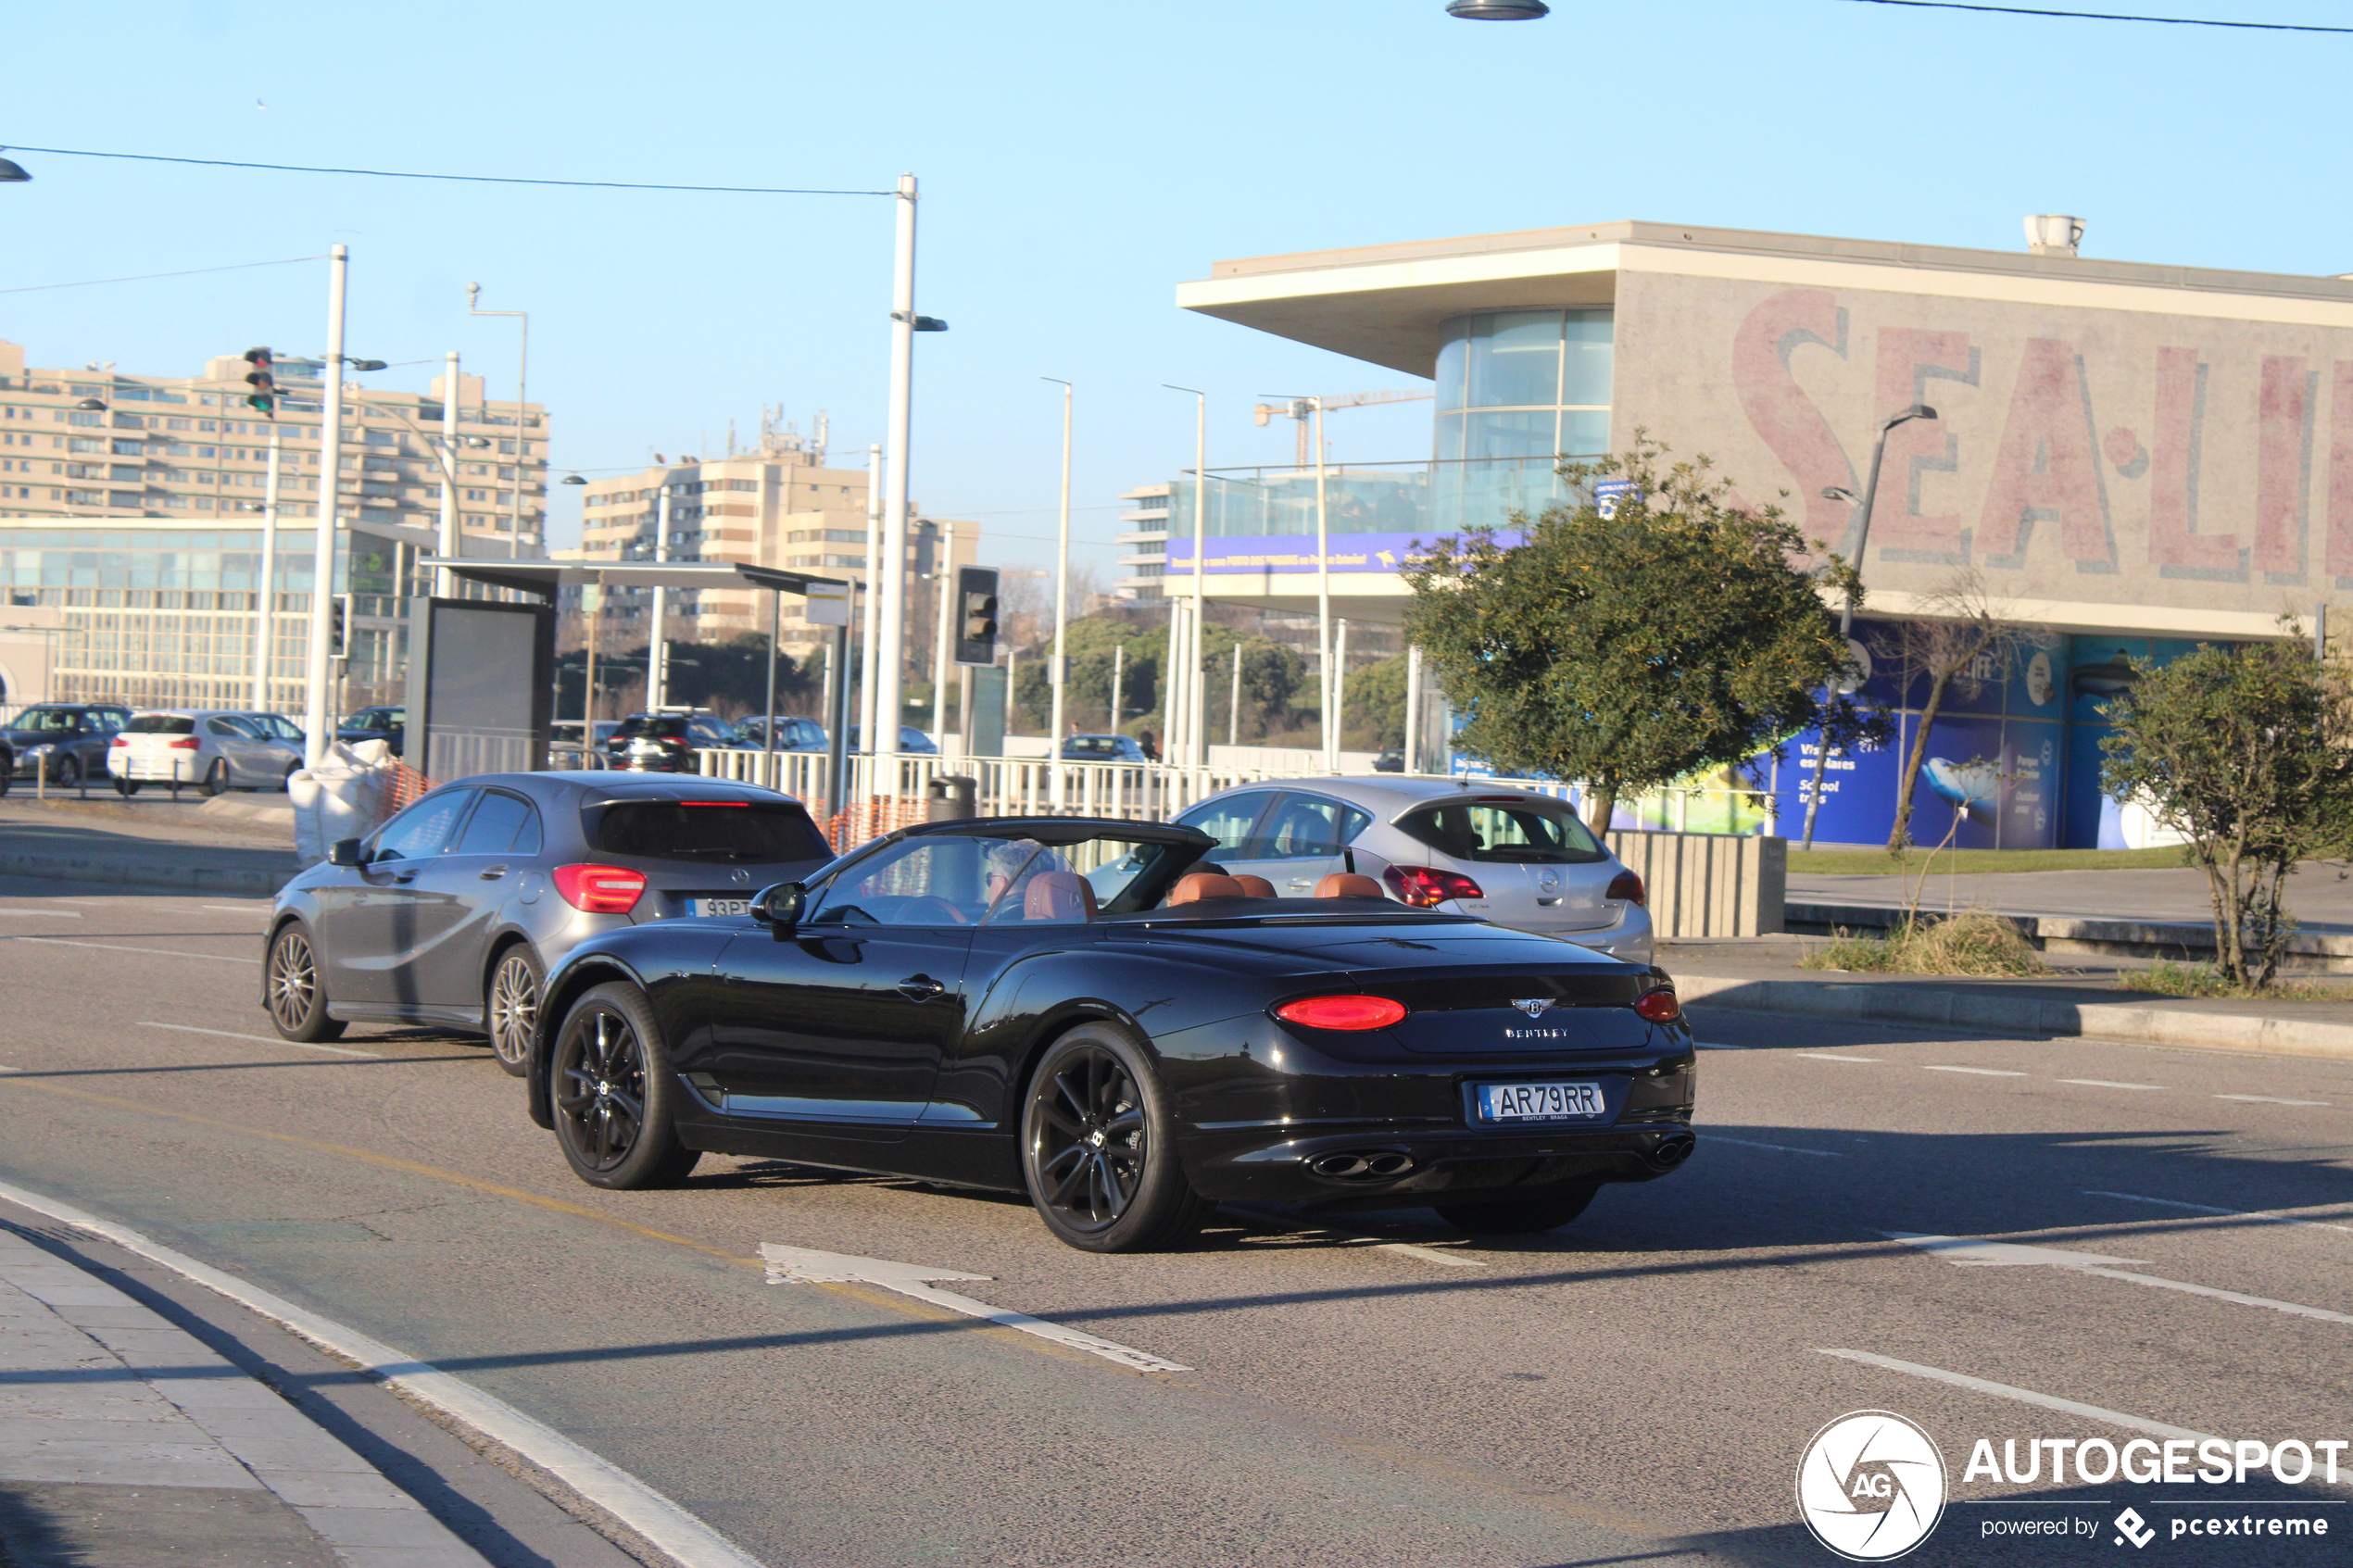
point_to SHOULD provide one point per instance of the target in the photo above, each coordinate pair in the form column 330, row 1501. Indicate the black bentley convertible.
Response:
column 1088, row 1013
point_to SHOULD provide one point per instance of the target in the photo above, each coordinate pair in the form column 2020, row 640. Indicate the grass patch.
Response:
column 1969, row 943
column 2168, row 979
column 1878, row 863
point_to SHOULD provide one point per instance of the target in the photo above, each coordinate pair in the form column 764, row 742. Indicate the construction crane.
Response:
column 1303, row 411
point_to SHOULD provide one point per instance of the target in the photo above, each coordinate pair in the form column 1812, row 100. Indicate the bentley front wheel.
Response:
column 1096, row 1151
column 612, row 1091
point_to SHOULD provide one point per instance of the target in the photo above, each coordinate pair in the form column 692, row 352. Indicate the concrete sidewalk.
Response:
column 1761, row 975
column 137, row 845
column 126, row 1443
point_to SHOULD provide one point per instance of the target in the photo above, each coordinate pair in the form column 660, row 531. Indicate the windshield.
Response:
column 376, row 719
column 956, row 880
column 729, row 832
column 1092, row 746
column 1526, row 831
column 160, row 724
column 661, row 726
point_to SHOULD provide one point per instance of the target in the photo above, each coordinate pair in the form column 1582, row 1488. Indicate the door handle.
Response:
column 920, row 987
column 493, row 873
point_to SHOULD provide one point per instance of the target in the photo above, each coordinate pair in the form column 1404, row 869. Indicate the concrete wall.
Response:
column 1708, row 884
column 2153, row 468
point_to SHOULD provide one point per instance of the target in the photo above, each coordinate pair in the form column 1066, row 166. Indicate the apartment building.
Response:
column 779, row 506
column 132, row 504
column 1143, row 545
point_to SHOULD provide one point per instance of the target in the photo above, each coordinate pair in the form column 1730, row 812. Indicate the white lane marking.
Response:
column 11, row 1068
column 1824, row 1056
column 1974, row 1252
column 260, row 1039
column 1430, row 1255
column 1980, row 1071
column 2271, row 1100
column 644, row 1510
column 2209, row 1209
column 802, row 1266
column 119, row 947
column 2024, row 1396
column 2108, row 1084
column 1970, row 1250
column 47, row 914
column 1776, row 1147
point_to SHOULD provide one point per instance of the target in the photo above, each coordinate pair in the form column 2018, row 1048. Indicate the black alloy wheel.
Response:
column 1543, row 1209
column 512, row 1009
column 612, row 1091
column 291, row 989
column 1097, row 1150
column 216, row 780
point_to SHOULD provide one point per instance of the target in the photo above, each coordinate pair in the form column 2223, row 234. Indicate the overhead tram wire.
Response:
column 2103, row 16
column 470, row 179
column 149, row 277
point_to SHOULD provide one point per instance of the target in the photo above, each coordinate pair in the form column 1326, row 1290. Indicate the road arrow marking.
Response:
column 800, row 1265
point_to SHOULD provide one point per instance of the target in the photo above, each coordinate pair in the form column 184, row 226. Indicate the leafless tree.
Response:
column 1959, row 641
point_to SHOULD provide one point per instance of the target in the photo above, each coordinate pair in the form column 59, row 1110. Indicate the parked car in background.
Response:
column 1102, row 748
column 1513, row 856
column 70, row 739
column 276, row 726
column 792, row 734
column 376, row 723
column 215, row 750
column 665, row 740
column 451, row 913
column 910, row 741
column 1390, row 761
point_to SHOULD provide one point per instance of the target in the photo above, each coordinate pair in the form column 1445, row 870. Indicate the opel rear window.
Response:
column 1528, row 832
column 161, row 724
column 724, row 830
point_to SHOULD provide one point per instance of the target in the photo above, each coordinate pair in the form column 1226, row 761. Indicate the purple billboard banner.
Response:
column 1296, row 552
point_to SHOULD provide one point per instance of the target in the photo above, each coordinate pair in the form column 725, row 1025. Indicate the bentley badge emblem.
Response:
column 1532, row 1006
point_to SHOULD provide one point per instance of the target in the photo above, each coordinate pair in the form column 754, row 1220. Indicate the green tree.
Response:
column 2247, row 752
column 1373, row 705
column 1678, row 633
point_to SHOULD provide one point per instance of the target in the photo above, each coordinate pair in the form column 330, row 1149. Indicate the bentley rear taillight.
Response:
column 1341, row 1012
column 1658, row 1007
column 1426, row 887
column 599, row 890
column 1627, row 888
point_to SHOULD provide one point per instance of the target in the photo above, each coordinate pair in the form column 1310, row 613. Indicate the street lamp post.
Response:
column 943, row 578
column 522, row 381
column 904, row 324
column 1324, row 603
column 315, row 717
column 1061, row 602
column 445, row 581
column 657, row 663
column 266, row 601
column 1187, row 713
column 1846, row 615
column 867, row 644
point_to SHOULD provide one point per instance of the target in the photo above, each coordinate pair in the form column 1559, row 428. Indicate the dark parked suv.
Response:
column 453, row 912
column 665, row 740
column 72, row 737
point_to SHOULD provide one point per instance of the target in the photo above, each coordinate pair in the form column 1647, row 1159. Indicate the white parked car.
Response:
column 214, row 749
column 1514, row 857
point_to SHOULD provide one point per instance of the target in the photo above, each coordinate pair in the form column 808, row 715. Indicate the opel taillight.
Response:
column 1341, row 1012
column 601, row 890
column 1627, row 887
column 1426, row 887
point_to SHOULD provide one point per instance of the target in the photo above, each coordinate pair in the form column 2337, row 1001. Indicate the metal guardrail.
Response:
column 1005, row 786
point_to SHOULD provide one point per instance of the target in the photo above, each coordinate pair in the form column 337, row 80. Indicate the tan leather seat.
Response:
column 1256, row 887
column 1062, row 896
column 1347, row 884
column 1196, row 885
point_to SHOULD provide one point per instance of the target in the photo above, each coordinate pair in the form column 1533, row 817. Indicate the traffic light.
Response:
column 263, row 379
column 339, row 627
column 977, row 621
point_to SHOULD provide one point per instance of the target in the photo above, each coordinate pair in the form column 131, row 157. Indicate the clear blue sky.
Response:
column 1077, row 160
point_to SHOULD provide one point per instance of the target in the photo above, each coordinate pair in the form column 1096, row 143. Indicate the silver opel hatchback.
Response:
column 1514, row 857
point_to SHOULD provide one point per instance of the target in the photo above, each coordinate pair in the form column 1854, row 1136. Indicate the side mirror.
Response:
column 344, row 852
column 778, row 908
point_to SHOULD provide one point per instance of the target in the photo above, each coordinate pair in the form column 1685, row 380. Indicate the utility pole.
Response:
column 1062, row 606
column 266, row 602
column 884, row 738
column 1324, row 603
column 445, row 581
column 317, row 722
column 1234, row 707
column 874, row 592
column 943, row 576
column 522, row 379
column 657, row 653
column 1187, row 703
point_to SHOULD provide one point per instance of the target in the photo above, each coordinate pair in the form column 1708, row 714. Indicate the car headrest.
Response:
column 1058, row 896
column 1347, row 884
column 1256, row 886
column 1196, row 885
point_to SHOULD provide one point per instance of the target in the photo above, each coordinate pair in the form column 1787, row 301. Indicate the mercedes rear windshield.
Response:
column 731, row 831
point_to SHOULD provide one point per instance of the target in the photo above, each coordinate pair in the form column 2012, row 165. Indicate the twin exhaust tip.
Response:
column 1673, row 1150
column 1362, row 1165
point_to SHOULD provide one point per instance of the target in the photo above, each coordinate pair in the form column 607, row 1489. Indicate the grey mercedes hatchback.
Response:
column 454, row 911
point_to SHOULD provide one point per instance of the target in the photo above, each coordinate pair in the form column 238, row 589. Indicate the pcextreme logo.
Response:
column 1871, row 1486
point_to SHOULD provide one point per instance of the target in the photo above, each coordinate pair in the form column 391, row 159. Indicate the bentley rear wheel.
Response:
column 1097, row 1150
column 291, row 985
column 1546, row 1209
column 612, row 1091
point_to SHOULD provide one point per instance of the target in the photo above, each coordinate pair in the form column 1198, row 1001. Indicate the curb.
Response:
column 2020, row 1015
column 2150, row 938
column 251, row 882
